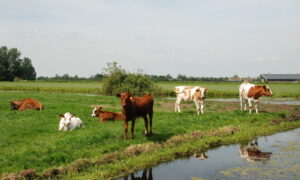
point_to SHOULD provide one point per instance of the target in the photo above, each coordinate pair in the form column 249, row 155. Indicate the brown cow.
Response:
column 251, row 93
column 134, row 107
column 252, row 153
column 106, row 115
column 26, row 104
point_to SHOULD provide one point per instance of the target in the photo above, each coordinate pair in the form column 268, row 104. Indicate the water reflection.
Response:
column 251, row 152
column 201, row 156
column 143, row 177
column 276, row 157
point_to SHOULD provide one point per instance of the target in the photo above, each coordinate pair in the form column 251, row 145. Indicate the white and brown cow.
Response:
column 190, row 93
column 251, row 93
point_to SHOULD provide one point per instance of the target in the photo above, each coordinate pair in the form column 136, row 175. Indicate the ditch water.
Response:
column 271, row 157
column 262, row 100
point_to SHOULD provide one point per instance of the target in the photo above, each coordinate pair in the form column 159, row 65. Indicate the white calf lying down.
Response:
column 68, row 121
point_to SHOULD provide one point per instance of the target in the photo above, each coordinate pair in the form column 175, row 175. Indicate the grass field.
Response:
column 216, row 90
column 31, row 139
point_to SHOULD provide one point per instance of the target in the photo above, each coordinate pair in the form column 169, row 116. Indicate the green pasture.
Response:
column 31, row 140
column 216, row 90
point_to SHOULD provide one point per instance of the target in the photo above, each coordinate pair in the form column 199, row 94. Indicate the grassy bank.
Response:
column 31, row 140
column 216, row 90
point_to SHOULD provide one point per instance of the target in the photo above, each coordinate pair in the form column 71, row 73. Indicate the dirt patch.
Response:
column 220, row 107
column 138, row 149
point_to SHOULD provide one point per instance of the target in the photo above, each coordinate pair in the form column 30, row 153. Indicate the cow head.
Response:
column 266, row 91
column 15, row 104
column 201, row 93
column 65, row 119
column 96, row 111
column 125, row 97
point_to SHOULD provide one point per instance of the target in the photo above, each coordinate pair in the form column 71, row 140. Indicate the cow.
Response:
column 26, row 104
column 133, row 107
column 106, row 115
column 69, row 121
column 190, row 93
column 251, row 93
column 252, row 153
column 144, row 176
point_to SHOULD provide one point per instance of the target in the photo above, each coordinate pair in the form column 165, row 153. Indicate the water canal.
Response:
column 272, row 157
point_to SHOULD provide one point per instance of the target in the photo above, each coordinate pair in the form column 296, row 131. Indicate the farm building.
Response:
column 280, row 77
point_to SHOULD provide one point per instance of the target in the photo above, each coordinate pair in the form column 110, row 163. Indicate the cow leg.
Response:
column 177, row 103
column 255, row 104
column 144, row 176
column 126, row 129
column 150, row 176
column 241, row 102
column 250, row 106
column 202, row 106
column 150, row 122
column 146, row 124
column 132, row 128
column 245, row 107
column 197, row 106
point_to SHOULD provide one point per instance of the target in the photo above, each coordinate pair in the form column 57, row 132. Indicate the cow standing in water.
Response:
column 251, row 93
column 190, row 93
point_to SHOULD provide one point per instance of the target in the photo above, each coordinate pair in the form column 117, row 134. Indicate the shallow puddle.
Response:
column 271, row 157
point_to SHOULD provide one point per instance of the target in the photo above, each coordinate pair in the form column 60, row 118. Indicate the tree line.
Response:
column 12, row 67
column 156, row 78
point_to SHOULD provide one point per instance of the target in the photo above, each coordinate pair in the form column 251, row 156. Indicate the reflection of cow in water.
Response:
column 252, row 153
column 144, row 175
column 201, row 156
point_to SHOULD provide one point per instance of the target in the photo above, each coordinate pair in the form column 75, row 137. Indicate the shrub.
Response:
column 117, row 80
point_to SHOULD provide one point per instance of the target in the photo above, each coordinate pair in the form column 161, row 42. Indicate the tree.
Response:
column 12, row 66
column 117, row 80
column 28, row 71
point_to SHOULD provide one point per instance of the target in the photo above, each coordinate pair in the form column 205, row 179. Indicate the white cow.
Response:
column 251, row 93
column 68, row 121
column 190, row 93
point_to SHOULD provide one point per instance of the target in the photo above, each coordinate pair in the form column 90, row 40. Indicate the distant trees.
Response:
column 155, row 78
column 66, row 77
column 13, row 67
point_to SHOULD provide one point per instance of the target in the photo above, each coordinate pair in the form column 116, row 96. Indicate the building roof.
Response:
column 281, row 76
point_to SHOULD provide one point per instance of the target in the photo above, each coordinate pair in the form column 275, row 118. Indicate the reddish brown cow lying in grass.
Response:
column 26, row 104
column 134, row 107
column 106, row 115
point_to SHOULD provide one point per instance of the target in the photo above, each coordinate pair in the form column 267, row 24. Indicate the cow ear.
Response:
column 73, row 115
column 265, row 87
column 118, row 95
column 100, row 107
column 61, row 115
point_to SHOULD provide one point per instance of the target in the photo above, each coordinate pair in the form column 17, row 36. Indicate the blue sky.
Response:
column 192, row 37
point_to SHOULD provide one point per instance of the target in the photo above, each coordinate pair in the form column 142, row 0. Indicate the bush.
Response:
column 117, row 80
